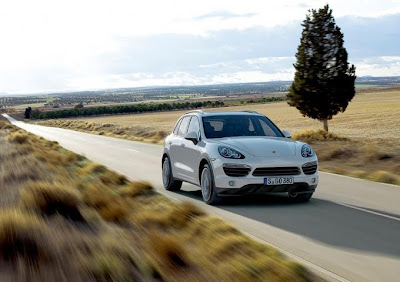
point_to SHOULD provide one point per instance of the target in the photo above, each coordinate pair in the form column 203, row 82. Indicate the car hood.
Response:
column 262, row 146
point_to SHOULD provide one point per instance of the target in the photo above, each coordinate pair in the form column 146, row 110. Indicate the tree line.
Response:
column 122, row 109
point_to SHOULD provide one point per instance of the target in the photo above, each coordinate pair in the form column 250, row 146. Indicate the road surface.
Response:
column 349, row 231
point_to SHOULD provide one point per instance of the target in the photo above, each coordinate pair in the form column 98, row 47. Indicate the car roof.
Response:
column 220, row 113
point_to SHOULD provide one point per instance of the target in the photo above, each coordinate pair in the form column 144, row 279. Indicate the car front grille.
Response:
column 234, row 170
column 276, row 171
column 310, row 168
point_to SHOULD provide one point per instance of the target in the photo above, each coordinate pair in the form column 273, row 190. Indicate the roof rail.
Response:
column 195, row 111
column 249, row 111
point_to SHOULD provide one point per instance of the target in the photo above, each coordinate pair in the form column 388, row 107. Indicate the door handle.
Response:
column 182, row 145
column 170, row 142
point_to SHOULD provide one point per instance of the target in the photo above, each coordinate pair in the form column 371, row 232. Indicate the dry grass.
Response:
column 135, row 133
column 23, row 236
column 18, row 137
column 310, row 136
column 49, row 199
column 137, row 188
column 369, row 115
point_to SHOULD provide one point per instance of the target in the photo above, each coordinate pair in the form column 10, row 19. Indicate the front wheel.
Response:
column 303, row 197
column 169, row 182
column 208, row 187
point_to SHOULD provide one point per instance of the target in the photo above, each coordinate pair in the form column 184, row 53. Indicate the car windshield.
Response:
column 220, row 126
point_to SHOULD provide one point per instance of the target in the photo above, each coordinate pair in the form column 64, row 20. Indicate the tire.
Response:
column 304, row 197
column 169, row 182
column 208, row 192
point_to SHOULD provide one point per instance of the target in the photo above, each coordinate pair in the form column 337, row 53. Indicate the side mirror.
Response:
column 286, row 134
column 193, row 136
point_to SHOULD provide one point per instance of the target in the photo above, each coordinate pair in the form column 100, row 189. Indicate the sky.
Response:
column 57, row 45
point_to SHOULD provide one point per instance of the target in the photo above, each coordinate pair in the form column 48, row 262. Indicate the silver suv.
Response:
column 236, row 153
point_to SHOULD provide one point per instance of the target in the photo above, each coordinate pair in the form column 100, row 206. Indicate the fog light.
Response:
column 313, row 180
column 231, row 183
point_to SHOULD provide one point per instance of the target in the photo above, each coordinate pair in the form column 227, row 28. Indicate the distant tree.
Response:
column 27, row 113
column 79, row 106
column 324, row 82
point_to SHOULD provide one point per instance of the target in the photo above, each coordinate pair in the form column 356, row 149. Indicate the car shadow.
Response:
column 319, row 220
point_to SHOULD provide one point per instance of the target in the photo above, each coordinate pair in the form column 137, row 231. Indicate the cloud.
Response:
column 224, row 15
column 101, row 45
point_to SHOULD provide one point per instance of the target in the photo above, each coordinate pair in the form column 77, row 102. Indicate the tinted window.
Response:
column 239, row 125
column 177, row 127
column 194, row 125
column 183, row 127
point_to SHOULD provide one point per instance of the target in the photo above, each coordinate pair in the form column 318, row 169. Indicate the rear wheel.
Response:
column 208, row 187
column 168, row 180
column 300, row 197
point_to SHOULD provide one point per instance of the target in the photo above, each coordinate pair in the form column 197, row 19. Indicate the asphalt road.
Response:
column 350, row 230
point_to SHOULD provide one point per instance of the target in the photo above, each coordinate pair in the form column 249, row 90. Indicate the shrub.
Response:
column 5, row 125
column 17, row 137
column 310, row 136
column 110, row 206
column 23, row 236
column 49, row 199
column 137, row 188
column 384, row 176
column 168, row 250
column 111, row 177
column 184, row 213
column 93, row 168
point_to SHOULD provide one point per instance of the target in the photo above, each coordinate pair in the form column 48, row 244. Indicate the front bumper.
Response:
column 250, row 184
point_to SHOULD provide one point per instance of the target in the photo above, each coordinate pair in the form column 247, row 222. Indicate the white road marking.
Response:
column 367, row 210
column 133, row 150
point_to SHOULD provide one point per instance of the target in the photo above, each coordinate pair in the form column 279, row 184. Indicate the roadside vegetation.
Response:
column 373, row 160
column 64, row 218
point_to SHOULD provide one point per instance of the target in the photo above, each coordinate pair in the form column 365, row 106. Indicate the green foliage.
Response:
column 324, row 81
column 122, row 109
column 27, row 113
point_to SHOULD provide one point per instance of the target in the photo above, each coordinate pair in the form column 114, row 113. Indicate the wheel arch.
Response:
column 163, row 158
column 203, row 162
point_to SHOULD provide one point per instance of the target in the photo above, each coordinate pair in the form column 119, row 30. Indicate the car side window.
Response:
column 183, row 127
column 177, row 127
column 194, row 125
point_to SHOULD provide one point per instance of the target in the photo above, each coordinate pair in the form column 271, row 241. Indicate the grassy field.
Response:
column 369, row 115
column 64, row 218
column 370, row 126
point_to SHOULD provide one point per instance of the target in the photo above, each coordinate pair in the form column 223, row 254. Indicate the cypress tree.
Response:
column 324, row 82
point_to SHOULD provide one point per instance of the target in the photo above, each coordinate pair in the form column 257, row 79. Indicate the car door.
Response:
column 191, row 153
column 176, row 147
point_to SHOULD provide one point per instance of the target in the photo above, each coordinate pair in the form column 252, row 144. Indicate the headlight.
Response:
column 229, row 153
column 307, row 151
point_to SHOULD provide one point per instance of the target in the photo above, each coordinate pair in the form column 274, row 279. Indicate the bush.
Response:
column 17, row 137
column 94, row 168
column 110, row 206
column 168, row 250
column 5, row 125
column 23, row 236
column 49, row 199
column 111, row 177
column 384, row 176
column 310, row 136
column 184, row 213
column 137, row 188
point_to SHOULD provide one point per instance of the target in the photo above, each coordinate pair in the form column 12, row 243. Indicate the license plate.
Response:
column 278, row 180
